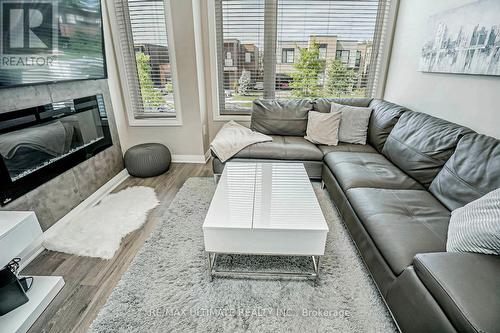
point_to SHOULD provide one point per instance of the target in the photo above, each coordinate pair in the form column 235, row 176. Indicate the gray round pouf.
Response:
column 147, row 160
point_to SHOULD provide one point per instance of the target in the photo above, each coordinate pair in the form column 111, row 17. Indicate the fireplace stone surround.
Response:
column 54, row 199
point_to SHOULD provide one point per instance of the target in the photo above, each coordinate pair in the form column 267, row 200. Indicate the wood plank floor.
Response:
column 89, row 281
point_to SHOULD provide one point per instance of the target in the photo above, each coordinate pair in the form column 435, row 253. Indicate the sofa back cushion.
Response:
column 471, row 172
column 421, row 144
column 324, row 104
column 384, row 117
column 280, row 117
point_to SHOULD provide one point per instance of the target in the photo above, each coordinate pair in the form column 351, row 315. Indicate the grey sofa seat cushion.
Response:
column 280, row 117
column 466, row 286
column 401, row 223
column 414, row 307
column 347, row 147
column 471, row 172
column 421, row 144
column 283, row 148
column 324, row 104
column 384, row 117
column 367, row 170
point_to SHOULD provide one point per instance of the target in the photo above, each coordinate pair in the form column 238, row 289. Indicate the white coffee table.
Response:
column 265, row 209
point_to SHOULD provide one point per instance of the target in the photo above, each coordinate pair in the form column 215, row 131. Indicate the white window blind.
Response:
column 143, row 38
column 240, row 31
column 314, row 48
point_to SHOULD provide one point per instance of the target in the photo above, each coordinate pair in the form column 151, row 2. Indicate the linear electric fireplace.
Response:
column 40, row 143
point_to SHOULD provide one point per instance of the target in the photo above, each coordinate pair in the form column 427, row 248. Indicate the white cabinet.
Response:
column 18, row 231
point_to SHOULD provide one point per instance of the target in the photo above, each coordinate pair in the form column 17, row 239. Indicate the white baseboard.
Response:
column 36, row 247
column 97, row 196
column 199, row 159
column 208, row 154
column 30, row 253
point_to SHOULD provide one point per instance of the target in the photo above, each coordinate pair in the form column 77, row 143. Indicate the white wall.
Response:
column 189, row 141
column 469, row 100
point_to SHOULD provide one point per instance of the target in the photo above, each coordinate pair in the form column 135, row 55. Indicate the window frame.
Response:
column 357, row 60
column 340, row 58
column 214, row 70
column 284, row 55
column 228, row 59
column 323, row 54
column 248, row 60
column 155, row 119
column 377, row 88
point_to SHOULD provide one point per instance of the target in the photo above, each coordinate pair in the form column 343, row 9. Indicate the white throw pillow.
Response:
column 323, row 128
column 475, row 227
column 353, row 124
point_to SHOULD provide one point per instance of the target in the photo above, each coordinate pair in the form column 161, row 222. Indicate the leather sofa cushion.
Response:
column 421, row 144
column 283, row 148
column 324, row 104
column 347, row 147
column 414, row 307
column 280, row 117
column 401, row 223
column 466, row 286
column 367, row 170
column 471, row 172
column 384, row 117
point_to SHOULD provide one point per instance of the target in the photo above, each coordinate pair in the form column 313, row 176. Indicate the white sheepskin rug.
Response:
column 98, row 231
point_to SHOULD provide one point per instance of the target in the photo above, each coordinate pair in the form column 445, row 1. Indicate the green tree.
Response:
column 307, row 70
column 151, row 97
column 234, row 85
column 169, row 88
column 244, row 83
column 339, row 79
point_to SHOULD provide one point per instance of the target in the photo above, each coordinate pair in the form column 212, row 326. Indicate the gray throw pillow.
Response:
column 353, row 124
column 475, row 227
column 323, row 128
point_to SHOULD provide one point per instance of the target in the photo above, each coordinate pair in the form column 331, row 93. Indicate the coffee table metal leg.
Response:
column 212, row 272
column 209, row 262
column 318, row 269
column 316, row 264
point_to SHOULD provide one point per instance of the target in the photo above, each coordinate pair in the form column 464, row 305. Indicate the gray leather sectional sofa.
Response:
column 395, row 195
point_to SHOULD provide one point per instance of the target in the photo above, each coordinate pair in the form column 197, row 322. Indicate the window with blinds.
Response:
column 314, row 48
column 144, row 43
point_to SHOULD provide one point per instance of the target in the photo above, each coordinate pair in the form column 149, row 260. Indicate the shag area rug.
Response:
column 166, row 288
column 98, row 230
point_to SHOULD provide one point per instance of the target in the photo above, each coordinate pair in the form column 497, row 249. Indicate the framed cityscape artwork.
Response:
column 464, row 40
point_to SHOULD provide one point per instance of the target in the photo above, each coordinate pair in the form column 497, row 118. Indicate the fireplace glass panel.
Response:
column 49, row 133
